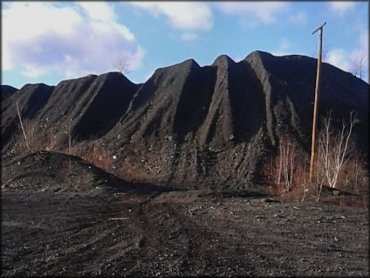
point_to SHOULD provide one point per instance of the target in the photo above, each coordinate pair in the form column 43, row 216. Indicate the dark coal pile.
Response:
column 82, row 108
column 189, row 126
column 214, row 125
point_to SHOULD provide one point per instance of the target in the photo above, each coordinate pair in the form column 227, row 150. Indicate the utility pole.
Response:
column 317, row 87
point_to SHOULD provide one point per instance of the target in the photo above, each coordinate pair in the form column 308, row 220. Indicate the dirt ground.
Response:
column 178, row 234
column 64, row 217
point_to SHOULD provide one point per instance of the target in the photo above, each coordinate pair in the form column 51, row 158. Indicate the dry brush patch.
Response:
column 337, row 165
column 27, row 139
column 93, row 152
column 335, row 150
column 287, row 171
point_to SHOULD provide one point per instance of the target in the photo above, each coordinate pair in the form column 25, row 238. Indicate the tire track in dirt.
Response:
column 201, row 244
column 187, row 233
column 162, row 241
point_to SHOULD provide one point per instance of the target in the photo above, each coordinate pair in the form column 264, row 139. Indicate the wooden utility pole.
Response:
column 317, row 87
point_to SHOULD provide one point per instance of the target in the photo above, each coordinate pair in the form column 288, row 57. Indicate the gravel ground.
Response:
column 178, row 234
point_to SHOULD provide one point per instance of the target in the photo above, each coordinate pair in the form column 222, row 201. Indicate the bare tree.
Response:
column 359, row 66
column 22, row 126
column 69, row 123
column 286, row 160
column 337, row 162
column 289, row 165
column 319, row 176
column 122, row 64
column 335, row 149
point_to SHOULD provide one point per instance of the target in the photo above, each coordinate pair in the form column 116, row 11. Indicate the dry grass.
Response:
column 94, row 153
column 34, row 141
column 354, row 177
column 287, row 171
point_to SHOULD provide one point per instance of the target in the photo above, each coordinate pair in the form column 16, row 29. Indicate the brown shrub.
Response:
column 287, row 171
column 93, row 152
column 337, row 165
column 35, row 142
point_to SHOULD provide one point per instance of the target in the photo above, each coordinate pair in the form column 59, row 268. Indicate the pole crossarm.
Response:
column 320, row 27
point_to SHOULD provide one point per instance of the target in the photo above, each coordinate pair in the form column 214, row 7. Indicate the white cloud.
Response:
column 348, row 60
column 340, row 7
column 298, row 18
column 181, row 15
column 360, row 55
column 69, row 40
column 254, row 12
column 284, row 48
column 98, row 11
column 339, row 58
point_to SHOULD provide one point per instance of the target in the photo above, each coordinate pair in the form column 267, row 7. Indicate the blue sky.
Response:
column 47, row 42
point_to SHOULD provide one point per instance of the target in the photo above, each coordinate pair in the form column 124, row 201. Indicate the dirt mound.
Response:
column 57, row 172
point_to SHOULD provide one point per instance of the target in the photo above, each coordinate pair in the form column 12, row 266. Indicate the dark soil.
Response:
column 88, row 227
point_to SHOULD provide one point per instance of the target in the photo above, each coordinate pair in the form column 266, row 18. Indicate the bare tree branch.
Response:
column 334, row 149
column 359, row 67
column 22, row 126
column 122, row 64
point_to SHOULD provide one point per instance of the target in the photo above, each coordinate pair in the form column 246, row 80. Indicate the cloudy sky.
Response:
column 51, row 41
